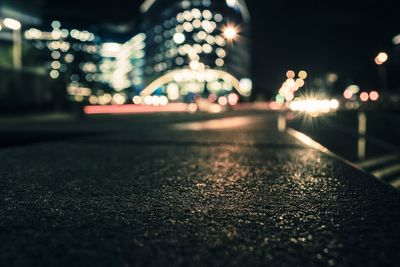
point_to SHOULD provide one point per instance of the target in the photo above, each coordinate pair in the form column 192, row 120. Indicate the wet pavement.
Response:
column 178, row 190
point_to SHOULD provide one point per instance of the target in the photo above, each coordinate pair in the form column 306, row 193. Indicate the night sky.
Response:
column 319, row 36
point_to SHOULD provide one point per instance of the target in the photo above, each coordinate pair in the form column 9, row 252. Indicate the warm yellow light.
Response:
column 354, row 89
column 303, row 75
column 93, row 100
column 12, row 24
column 230, row 33
column 231, row 3
column 374, row 95
column 243, row 87
column 194, row 65
column 222, row 101
column 347, row 94
column 162, row 100
column 300, row 82
column 315, row 106
column 233, row 99
column 192, row 108
column 334, row 104
column 110, row 49
column 290, row 74
column 137, row 100
column 364, row 96
column 119, row 99
column 381, row 58
column 217, row 124
column 173, row 91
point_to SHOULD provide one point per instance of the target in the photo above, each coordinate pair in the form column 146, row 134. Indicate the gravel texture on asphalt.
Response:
column 142, row 192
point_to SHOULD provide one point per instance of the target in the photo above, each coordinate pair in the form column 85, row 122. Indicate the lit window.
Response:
column 188, row 15
column 196, row 23
column 179, row 38
column 187, row 26
column 210, row 39
column 180, row 18
column 207, row 48
column 207, row 14
column 179, row 28
column 55, row 65
column 220, row 40
column 207, row 26
column 219, row 62
column 194, row 65
column 198, row 48
column 54, row 74
column 202, row 35
column 231, row 3
column 196, row 13
column 56, row 24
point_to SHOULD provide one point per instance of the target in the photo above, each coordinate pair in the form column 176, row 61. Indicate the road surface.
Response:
column 179, row 189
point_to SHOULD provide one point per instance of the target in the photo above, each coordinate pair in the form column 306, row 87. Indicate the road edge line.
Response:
column 305, row 139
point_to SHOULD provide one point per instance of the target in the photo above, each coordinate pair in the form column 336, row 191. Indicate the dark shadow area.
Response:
column 192, row 144
column 13, row 139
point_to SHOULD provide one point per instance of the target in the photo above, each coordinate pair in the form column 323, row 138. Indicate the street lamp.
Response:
column 380, row 61
column 381, row 58
column 15, row 26
column 230, row 32
column 12, row 24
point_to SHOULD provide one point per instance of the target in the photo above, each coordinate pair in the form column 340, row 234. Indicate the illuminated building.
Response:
column 70, row 55
column 196, row 48
column 122, row 64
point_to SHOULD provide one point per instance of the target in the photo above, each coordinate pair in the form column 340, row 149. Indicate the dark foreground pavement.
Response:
column 162, row 191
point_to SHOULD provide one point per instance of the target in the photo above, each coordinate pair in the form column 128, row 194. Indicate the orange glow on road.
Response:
column 220, row 124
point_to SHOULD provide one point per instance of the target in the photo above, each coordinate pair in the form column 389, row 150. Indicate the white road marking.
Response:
column 396, row 183
column 377, row 161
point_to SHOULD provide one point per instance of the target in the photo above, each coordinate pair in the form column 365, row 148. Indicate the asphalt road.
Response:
column 179, row 190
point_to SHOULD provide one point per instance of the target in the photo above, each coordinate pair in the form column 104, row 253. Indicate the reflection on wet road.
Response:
column 218, row 124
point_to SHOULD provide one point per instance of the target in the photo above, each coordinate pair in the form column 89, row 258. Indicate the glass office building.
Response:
column 197, row 48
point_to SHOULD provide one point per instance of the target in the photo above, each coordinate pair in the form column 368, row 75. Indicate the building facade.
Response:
column 197, row 48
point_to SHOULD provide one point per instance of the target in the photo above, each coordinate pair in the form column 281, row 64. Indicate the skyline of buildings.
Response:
column 179, row 51
column 186, row 49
